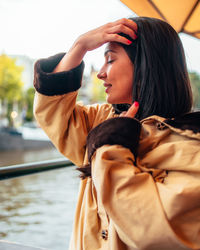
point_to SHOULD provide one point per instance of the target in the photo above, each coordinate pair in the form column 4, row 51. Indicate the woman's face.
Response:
column 117, row 74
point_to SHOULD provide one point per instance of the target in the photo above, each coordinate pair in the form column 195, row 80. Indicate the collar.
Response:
column 189, row 121
column 187, row 124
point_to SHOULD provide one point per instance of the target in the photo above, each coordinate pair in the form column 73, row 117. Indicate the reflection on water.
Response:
column 25, row 156
column 38, row 209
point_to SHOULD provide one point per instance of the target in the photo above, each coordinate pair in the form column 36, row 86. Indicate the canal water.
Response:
column 38, row 209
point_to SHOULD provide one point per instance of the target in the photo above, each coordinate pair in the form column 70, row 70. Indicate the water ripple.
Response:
column 38, row 209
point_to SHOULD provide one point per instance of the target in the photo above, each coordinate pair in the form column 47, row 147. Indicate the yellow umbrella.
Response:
column 183, row 15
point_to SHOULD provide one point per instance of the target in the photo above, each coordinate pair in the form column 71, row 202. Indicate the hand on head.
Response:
column 94, row 39
column 108, row 33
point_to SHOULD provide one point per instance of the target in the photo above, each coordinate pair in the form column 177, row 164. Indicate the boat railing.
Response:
column 33, row 167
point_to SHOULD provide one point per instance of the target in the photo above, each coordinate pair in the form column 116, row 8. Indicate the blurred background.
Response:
column 38, row 209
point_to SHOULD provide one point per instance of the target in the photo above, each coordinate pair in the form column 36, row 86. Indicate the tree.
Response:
column 11, row 85
column 29, row 97
column 195, row 83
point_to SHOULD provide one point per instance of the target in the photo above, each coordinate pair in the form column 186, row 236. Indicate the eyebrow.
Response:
column 109, row 50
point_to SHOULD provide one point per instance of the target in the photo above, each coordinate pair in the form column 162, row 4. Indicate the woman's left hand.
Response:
column 132, row 111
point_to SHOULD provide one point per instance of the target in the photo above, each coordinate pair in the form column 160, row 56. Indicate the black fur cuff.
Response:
column 122, row 131
column 48, row 83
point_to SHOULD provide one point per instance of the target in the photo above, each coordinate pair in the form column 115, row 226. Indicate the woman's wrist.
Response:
column 79, row 46
column 71, row 59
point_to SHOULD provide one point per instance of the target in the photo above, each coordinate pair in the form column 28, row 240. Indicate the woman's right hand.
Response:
column 96, row 38
column 108, row 33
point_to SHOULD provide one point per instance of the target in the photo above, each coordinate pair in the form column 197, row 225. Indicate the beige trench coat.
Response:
column 149, row 202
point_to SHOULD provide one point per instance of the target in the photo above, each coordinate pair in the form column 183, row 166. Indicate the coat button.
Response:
column 161, row 126
column 104, row 234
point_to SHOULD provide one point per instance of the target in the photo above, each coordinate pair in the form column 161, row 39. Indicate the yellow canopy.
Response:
column 183, row 15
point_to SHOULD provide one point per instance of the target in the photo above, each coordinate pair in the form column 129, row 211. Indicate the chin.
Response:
column 112, row 100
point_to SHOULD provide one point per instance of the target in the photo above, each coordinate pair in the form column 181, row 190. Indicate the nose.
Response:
column 101, row 75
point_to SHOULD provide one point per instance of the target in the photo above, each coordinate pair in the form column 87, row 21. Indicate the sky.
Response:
column 41, row 28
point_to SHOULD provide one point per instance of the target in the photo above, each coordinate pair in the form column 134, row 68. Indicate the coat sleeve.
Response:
column 65, row 122
column 129, row 196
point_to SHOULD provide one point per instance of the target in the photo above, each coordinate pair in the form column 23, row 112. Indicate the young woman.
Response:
column 139, row 154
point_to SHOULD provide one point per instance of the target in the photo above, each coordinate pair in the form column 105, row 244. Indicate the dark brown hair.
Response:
column 161, row 83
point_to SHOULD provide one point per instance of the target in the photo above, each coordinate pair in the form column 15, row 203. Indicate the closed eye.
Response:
column 110, row 61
